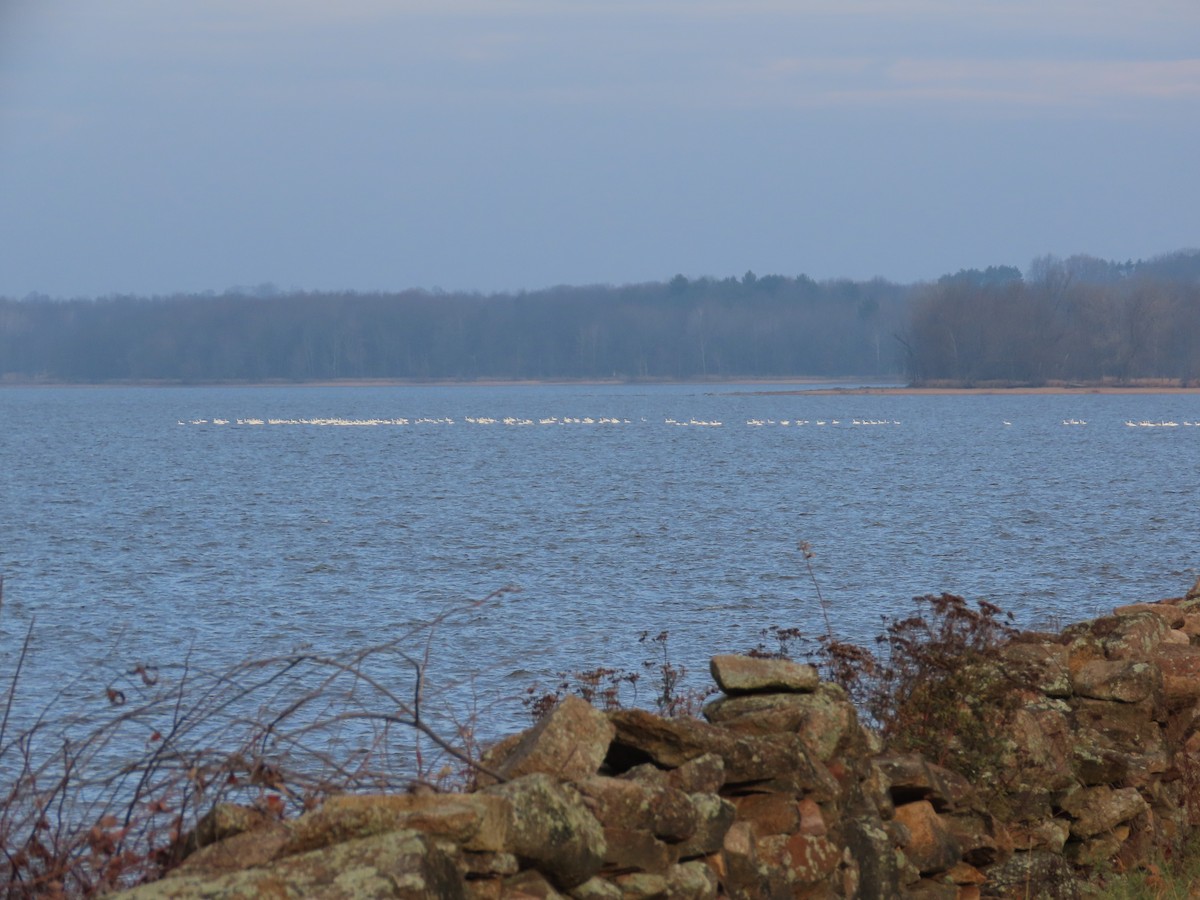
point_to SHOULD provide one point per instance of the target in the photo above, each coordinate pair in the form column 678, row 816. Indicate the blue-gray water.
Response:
column 134, row 527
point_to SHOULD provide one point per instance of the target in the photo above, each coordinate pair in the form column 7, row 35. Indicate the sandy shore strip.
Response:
column 900, row 390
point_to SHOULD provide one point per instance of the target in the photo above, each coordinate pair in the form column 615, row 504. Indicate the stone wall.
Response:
column 779, row 793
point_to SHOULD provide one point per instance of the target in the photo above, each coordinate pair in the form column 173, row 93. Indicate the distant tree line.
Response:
column 1079, row 319
column 704, row 328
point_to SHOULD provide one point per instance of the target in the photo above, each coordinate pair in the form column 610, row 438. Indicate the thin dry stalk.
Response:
column 103, row 797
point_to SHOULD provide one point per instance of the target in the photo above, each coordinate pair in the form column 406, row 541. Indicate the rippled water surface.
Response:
column 145, row 524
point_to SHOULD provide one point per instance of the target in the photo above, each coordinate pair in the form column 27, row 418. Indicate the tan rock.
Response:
column 691, row 881
column 1191, row 626
column 770, row 813
column 238, row 851
column 1170, row 613
column 1095, row 851
column 1124, row 680
column 1050, row 872
column 225, row 820
column 982, row 838
column 530, row 885
column 812, row 819
column 1132, row 637
column 401, row 864
column 714, row 817
column 1038, row 743
column 802, row 859
column 703, row 775
column 739, row 861
column 1116, row 743
column 875, row 862
column 670, row 743
column 825, row 717
column 911, row 777
column 1180, row 666
column 767, row 762
column 631, row 850
column 963, row 873
column 1095, row 810
column 932, row 848
column 474, row 821
column 657, row 809
column 1043, row 666
column 749, row 674
column 549, row 825
column 570, row 742
column 642, row 886
column 1042, row 834
column 596, row 889
column 486, row 865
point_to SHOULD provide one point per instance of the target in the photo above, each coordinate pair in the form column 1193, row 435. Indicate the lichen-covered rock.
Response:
column 631, row 850
column 549, row 825
column 1054, row 877
column 739, row 863
column 401, row 864
column 529, row 885
column 825, row 717
column 1169, row 612
column 873, row 855
column 1133, row 636
column 770, row 813
column 1037, row 744
column 752, row 675
column 642, row 886
column 714, row 817
column 702, row 775
column 657, row 809
column 487, row 865
column 1094, row 810
column 982, row 838
column 474, row 821
column 911, row 777
column 766, row 762
column 1043, row 666
column 1180, row 667
column 691, row 881
column 933, row 889
column 246, row 850
column 802, row 860
column 1094, row 851
column 668, row 743
column 1040, row 834
column 1116, row 743
column 569, row 742
column 225, row 820
column 596, row 889
column 1123, row 680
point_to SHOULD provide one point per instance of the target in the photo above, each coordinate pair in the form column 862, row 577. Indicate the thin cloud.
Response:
column 1049, row 82
column 1034, row 83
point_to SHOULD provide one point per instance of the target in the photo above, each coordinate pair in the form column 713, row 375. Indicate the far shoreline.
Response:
column 807, row 386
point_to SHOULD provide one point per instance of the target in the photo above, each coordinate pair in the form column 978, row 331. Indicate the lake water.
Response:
column 142, row 524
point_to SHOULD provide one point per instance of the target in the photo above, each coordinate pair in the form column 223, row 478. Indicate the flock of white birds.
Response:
column 607, row 420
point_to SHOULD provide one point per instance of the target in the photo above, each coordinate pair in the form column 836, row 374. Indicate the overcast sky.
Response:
column 152, row 147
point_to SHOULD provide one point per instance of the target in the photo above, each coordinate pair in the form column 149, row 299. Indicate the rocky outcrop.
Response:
column 779, row 792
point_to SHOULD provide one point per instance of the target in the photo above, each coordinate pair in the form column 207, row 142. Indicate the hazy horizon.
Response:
column 148, row 150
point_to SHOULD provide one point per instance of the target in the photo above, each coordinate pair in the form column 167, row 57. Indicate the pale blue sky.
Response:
column 153, row 147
